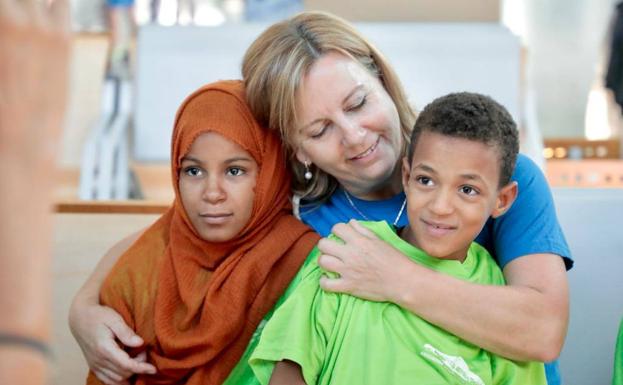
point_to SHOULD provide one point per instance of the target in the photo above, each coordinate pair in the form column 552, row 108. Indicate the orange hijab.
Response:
column 196, row 303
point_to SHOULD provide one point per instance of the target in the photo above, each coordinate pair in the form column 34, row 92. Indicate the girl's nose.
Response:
column 213, row 191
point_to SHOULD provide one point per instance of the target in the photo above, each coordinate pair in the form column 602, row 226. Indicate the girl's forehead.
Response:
column 215, row 145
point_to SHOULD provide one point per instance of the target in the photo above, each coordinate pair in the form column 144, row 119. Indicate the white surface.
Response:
column 431, row 59
column 592, row 220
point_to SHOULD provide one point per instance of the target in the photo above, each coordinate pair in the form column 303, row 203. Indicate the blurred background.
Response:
column 557, row 55
column 556, row 65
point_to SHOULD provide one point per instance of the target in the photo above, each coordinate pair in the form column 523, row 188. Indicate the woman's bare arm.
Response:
column 97, row 327
column 525, row 320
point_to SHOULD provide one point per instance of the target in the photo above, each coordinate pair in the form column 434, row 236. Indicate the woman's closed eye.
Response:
column 323, row 129
column 360, row 103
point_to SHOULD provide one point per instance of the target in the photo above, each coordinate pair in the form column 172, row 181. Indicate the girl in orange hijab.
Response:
column 197, row 283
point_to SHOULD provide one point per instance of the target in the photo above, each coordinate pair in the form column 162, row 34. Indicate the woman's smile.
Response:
column 366, row 155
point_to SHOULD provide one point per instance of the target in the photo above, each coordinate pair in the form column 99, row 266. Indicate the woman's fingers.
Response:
column 108, row 377
column 336, row 285
column 330, row 263
column 353, row 231
column 120, row 362
column 123, row 332
column 361, row 229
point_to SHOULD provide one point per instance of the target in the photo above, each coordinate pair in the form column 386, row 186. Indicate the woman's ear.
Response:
column 302, row 156
column 505, row 199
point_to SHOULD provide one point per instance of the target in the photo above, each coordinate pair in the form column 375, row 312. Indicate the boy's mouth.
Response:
column 438, row 229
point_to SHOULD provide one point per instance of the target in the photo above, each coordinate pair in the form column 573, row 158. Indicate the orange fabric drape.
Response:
column 196, row 303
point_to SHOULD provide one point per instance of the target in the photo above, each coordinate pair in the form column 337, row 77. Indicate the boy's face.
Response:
column 217, row 186
column 452, row 188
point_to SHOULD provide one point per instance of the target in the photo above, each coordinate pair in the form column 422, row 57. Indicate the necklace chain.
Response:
column 352, row 204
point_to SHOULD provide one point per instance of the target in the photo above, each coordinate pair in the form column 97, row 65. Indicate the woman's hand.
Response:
column 368, row 267
column 97, row 329
column 525, row 320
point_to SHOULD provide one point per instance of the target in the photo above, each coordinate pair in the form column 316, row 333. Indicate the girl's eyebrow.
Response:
column 189, row 158
column 239, row 159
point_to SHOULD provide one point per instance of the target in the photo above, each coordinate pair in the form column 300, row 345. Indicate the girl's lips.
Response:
column 367, row 152
column 215, row 219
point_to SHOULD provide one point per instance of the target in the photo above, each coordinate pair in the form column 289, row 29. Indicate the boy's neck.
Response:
column 408, row 235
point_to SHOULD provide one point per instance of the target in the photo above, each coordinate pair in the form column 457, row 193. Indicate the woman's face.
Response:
column 349, row 127
column 217, row 187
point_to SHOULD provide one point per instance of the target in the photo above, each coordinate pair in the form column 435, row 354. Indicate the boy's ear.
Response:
column 505, row 199
column 406, row 173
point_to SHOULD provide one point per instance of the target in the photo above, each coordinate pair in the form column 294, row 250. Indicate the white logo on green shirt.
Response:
column 454, row 364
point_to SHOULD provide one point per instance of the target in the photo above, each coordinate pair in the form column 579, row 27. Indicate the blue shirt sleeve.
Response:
column 530, row 226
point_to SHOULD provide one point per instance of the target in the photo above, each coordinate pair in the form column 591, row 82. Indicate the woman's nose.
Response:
column 352, row 132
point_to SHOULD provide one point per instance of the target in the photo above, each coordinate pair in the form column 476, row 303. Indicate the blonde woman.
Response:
column 344, row 121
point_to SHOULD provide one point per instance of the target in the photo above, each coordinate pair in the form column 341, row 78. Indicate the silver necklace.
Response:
column 352, row 204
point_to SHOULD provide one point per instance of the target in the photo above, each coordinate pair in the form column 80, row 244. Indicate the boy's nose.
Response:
column 442, row 204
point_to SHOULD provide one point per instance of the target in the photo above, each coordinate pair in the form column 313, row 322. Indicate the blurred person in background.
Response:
column 34, row 53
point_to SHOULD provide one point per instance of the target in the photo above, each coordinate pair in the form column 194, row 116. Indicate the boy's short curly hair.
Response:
column 474, row 117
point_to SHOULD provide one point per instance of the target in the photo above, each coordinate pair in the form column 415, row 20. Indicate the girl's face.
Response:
column 349, row 127
column 217, row 187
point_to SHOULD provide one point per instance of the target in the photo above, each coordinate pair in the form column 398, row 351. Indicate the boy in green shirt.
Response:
column 457, row 175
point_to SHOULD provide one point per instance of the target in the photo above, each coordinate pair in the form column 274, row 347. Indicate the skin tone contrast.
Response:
column 349, row 128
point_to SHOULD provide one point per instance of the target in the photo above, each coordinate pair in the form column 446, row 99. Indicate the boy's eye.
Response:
column 424, row 180
column 235, row 171
column 192, row 171
column 469, row 190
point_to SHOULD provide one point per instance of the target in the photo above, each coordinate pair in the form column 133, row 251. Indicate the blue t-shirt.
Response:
column 120, row 3
column 530, row 226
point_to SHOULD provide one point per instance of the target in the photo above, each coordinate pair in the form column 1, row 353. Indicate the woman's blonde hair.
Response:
column 281, row 56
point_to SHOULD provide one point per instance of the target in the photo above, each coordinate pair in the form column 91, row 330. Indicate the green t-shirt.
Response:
column 617, row 377
column 341, row 339
column 242, row 373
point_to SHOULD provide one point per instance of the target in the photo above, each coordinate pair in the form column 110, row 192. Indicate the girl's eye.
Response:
column 424, row 180
column 469, row 190
column 235, row 171
column 192, row 171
